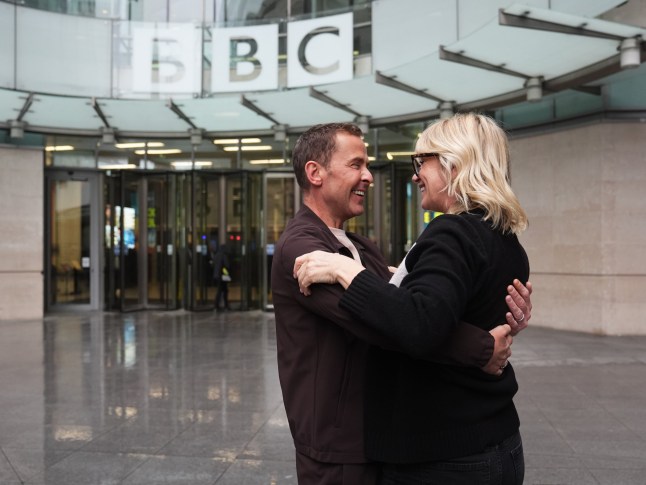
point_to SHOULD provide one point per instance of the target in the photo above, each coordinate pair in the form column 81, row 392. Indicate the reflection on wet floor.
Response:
column 193, row 398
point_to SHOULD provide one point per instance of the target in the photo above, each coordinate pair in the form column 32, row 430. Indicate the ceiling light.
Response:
column 235, row 141
column 392, row 155
column 187, row 164
column 116, row 166
column 267, row 161
column 163, row 151
column 59, row 148
column 630, row 53
column 256, row 148
column 140, row 144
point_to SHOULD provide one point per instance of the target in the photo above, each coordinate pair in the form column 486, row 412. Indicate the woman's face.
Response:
column 432, row 185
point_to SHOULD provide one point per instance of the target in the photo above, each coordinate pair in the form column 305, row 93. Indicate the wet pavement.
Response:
column 194, row 398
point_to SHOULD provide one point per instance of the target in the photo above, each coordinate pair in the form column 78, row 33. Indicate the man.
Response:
column 322, row 351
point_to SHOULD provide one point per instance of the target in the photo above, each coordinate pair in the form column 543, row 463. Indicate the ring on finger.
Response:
column 522, row 317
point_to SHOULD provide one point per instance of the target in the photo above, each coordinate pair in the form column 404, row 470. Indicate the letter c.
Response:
column 303, row 45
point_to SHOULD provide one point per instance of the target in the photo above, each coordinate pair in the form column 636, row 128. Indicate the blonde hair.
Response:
column 474, row 154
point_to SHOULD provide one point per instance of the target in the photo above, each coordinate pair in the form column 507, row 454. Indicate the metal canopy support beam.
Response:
column 495, row 102
column 526, row 22
column 576, row 80
column 176, row 109
column 332, row 102
column 248, row 104
column 95, row 105
column 469, row 61
column 393, row 83
column 25, row 107
column 573, row 80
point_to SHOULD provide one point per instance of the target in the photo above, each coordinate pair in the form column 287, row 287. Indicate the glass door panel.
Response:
column 391, row 211
column 280, row 206
column 253, row 254
column 160, row 247
column 180, row 220
column 128, row 236
column 218, row 209
column 140, row 232
column 235, row 238
column 405, row 212
column 72, row 249
column 206, row 215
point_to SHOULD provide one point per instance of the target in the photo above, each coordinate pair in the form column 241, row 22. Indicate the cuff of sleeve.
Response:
column 357, row 295
column 468, row 346
column 487, row 352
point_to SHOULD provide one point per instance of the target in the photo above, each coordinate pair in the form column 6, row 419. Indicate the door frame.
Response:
column 199, row 249
column 167, row 251
column 95, row 243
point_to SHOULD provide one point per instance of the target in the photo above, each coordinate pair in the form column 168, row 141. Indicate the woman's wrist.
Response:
column 347, row 273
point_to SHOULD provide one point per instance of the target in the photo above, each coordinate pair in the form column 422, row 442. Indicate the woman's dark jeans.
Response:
column 502, row 464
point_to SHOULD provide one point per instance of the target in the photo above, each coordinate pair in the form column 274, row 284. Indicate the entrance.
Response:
column 141, row 241
column 160, row 231
column 72, row 258
column 216, row 227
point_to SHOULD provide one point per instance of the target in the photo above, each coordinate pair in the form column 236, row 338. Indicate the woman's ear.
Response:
column 313, row 173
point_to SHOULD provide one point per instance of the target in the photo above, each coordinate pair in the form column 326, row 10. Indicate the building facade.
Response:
column 135, row 141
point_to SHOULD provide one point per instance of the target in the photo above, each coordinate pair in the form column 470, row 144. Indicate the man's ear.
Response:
column 313, row 173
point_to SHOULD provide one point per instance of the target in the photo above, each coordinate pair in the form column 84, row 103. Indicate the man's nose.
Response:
column 367, row 175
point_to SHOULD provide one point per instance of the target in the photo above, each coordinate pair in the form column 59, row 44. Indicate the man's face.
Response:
column 346, row 179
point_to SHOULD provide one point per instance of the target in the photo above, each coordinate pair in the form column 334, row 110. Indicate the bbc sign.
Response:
column 167, row 59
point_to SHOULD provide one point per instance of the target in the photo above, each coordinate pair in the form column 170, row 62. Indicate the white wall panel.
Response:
column 585, row 8
column 63, row 54
column 406, row 30
column 474, row 14
column 7, row 46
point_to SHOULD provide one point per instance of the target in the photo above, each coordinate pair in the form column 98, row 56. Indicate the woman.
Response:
column 432, row 423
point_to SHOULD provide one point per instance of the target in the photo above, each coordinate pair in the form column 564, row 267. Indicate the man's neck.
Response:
column 323, row 213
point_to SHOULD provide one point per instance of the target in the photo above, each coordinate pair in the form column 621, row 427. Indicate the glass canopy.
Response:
column 484, row 63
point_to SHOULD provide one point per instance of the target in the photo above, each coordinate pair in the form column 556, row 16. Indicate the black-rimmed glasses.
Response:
column 418, row 159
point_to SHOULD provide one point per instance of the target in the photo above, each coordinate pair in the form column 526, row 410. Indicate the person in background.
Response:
column 432, row 422
column 221, row 277
column 323, row 349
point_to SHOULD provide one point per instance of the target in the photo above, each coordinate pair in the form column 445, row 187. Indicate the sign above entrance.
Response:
column 167, row 58
column 319, row 51
column 245, row 58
